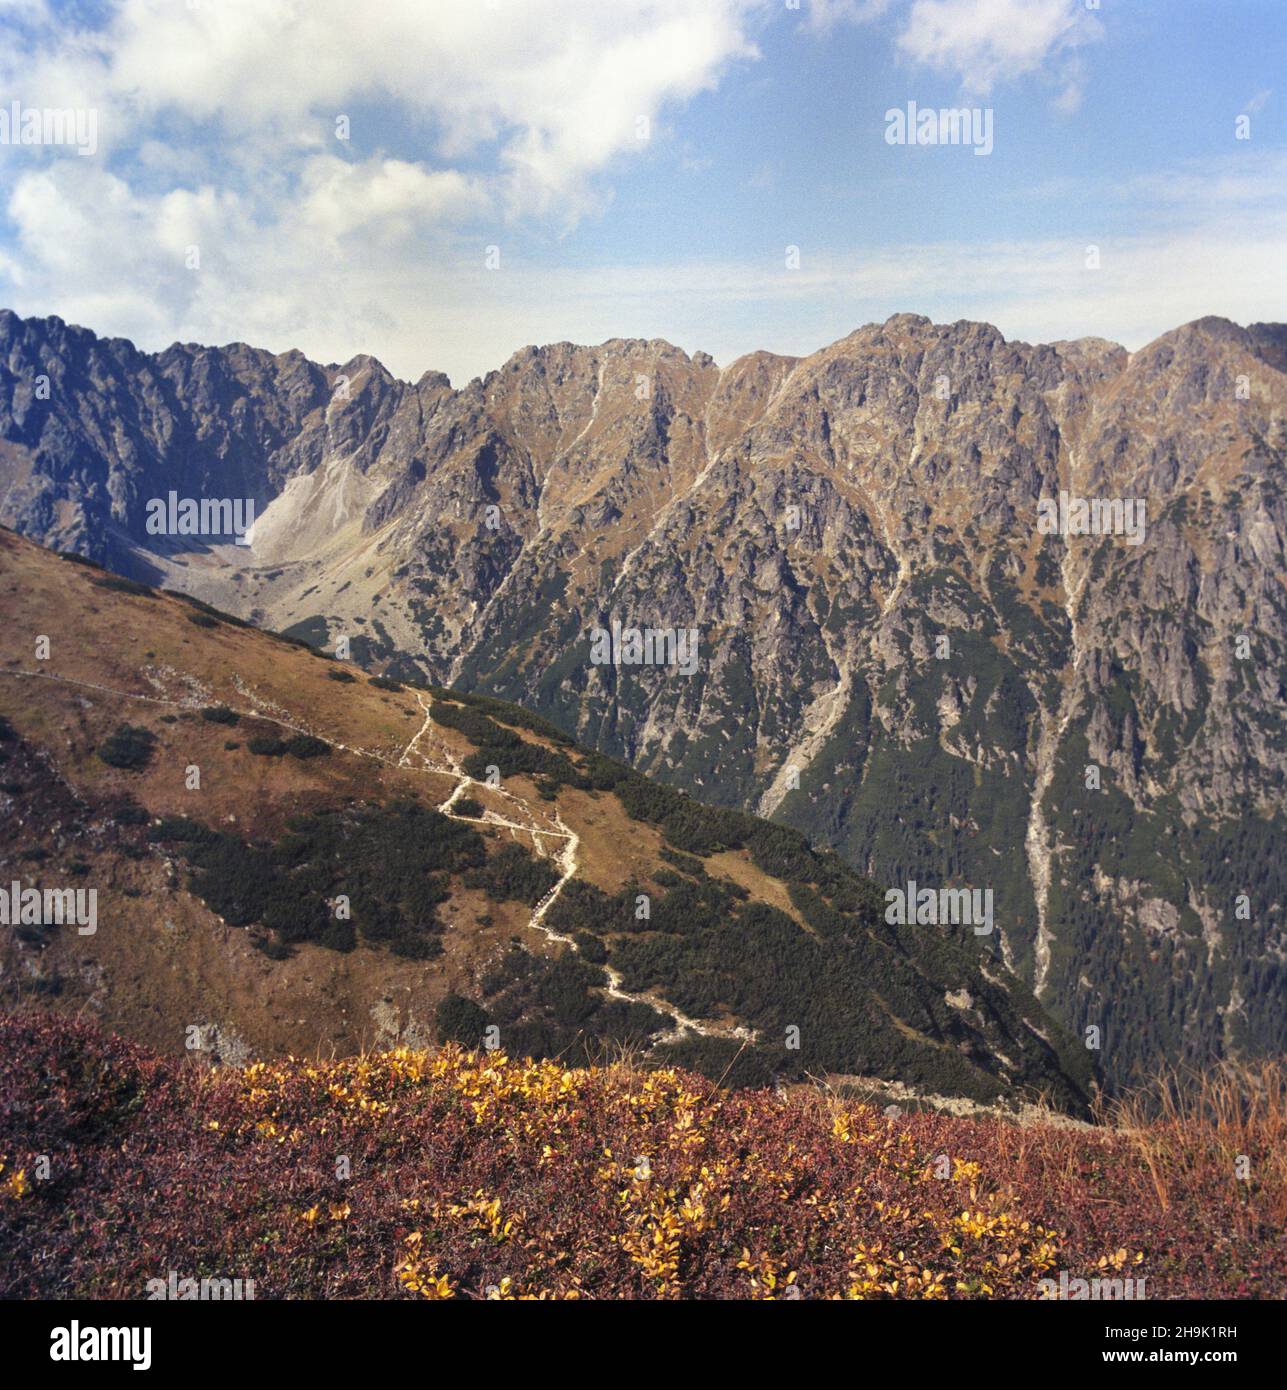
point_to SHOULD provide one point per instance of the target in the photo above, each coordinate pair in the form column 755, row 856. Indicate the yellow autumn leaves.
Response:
column 643, row 1166
column 15, row 1184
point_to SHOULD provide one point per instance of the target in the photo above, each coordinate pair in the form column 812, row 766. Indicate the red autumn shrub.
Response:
column 458, row 1174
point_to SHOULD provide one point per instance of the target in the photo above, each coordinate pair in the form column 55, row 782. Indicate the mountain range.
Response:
column 901, row 647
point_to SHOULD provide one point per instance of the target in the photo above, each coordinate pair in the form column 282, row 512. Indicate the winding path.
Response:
column 566, row 858
column 568, row 864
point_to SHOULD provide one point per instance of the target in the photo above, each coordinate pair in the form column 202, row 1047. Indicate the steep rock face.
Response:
column 893, row 656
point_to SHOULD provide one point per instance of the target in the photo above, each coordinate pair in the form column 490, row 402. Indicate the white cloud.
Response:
column 550, row 90
column 984, row 42
column 824, row 15
column 981, row 42
column 217, row 130
column 387, row 198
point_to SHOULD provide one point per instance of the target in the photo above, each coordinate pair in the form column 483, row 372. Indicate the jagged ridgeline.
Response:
column 289, row 847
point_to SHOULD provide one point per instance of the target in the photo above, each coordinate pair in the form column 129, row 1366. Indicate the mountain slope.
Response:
column 290, row 856
column 894, row 658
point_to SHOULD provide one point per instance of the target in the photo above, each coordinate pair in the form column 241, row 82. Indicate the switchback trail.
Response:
column 566, row 859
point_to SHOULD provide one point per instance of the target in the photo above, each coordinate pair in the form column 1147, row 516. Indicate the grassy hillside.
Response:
column 290, row 855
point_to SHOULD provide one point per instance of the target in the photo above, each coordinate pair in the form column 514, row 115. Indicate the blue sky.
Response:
column 218, row 203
